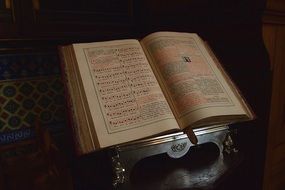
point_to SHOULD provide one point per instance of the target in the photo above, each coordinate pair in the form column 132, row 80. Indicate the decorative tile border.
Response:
column 27, row 133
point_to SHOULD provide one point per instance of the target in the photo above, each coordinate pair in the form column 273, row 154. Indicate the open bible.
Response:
column 123, row 90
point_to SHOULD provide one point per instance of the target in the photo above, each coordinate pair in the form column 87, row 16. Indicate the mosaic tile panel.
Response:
column 30, row 88
column 24, row 101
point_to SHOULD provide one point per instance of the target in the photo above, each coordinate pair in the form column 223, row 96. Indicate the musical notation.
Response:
column 123, row 112
column 125, row 121
column 142, row 91
column 109, row 76
column 118, row 96
column 119, row 104
column 124, row 81
column 112, row 82
column 143, row 84
column 113, row 89
column 105, row 69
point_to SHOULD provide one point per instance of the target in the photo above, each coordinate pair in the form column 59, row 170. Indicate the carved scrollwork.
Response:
column 229, row 145
column 118, row 171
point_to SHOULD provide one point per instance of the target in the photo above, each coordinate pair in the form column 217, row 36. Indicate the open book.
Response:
column 123, row 90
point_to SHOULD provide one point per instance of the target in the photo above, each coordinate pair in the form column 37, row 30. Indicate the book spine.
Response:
column 69, row 106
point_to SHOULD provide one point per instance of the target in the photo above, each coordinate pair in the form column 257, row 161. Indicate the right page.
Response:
column 198, row 90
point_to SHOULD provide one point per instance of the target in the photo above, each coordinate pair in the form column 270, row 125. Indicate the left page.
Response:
column 122, row 93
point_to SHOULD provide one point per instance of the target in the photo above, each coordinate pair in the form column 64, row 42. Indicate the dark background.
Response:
column 233, row 30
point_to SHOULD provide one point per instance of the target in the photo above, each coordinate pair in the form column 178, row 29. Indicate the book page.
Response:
column 193, row 83
column 123, row 95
